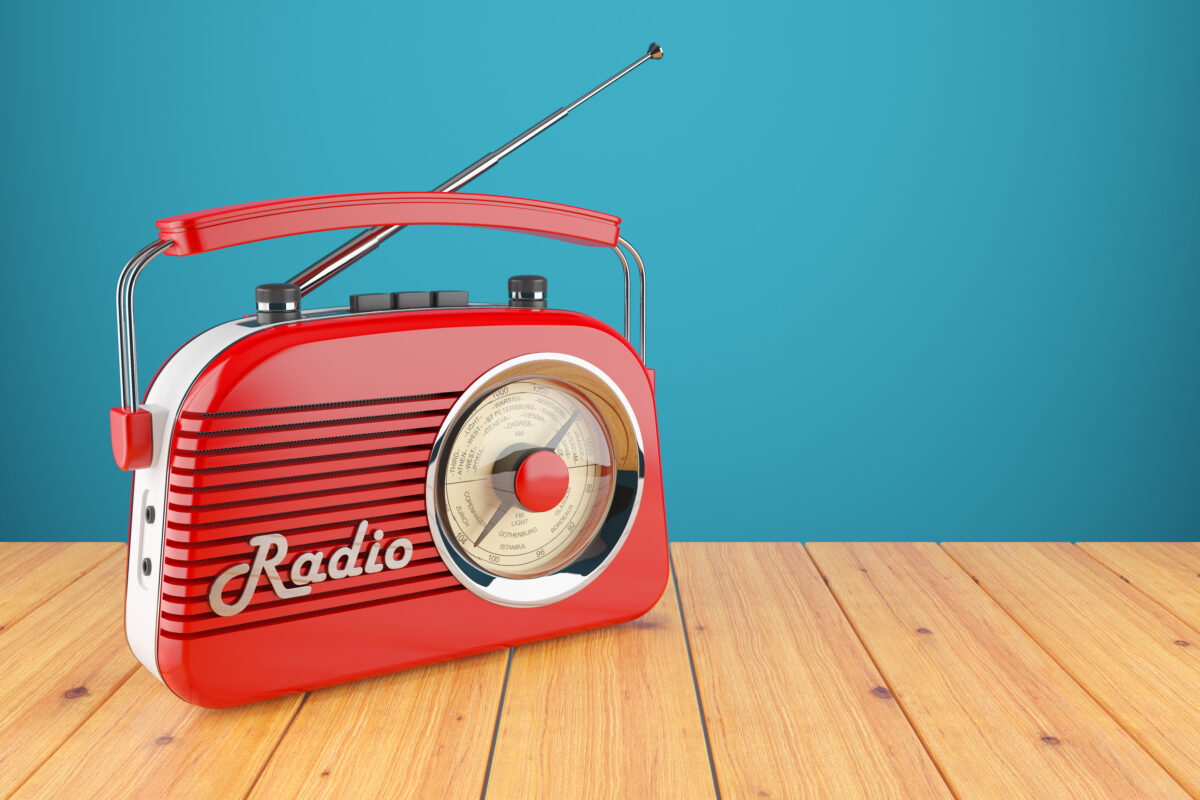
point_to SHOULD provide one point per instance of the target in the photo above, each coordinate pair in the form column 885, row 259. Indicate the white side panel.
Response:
column 150, row 486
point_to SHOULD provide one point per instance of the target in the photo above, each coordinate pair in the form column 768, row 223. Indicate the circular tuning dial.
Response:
column 527, row 477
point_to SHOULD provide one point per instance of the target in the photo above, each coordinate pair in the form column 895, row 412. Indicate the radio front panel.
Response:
column 304, row 526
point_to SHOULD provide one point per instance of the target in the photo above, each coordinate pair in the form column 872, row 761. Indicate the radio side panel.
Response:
column 149, row 487
column 293, row 437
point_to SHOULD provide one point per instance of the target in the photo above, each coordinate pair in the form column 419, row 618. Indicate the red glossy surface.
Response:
column 541, row 481
column 214, row 228
column 132, row 437
column 307, row 429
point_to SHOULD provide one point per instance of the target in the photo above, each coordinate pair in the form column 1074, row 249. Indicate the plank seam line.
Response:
column 883, row 676
column 69, row 736
column 94, row 566
column 278, row 742
column 1102, row 706
column 687, row 641
column 487, row 770
column 1153, row 599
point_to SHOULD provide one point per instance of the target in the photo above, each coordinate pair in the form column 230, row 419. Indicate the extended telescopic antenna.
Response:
column 368, row 240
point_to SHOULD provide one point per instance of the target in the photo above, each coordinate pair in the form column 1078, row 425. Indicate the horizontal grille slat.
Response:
column 182, row 565
column 217, row 491
column 311, row 474
column 205, row 429
column 175, row 630
column 225, row 449
column 297, row 503
column 320, row 407
column 411, row 514
column 272, row 523
column 303, row 606
column 416, row 453
column 193, row 600
column 199, row 580
column 217, row 443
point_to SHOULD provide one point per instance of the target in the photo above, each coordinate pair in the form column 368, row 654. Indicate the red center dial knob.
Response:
column 541, row 481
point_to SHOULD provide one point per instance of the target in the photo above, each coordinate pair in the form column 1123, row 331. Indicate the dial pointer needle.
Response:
column 493, row 522
column 558, row 437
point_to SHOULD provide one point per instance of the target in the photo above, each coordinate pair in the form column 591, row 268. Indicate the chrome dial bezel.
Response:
column 629, row 467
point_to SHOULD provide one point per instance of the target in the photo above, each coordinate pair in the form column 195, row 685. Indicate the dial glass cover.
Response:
column 527, row 477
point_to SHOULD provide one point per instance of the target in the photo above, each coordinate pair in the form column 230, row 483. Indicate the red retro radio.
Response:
column 321, row 496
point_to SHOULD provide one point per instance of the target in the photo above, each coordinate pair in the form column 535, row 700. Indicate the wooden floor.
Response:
column 767, row 671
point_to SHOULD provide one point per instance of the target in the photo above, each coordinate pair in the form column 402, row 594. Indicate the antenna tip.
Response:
column 654, row 51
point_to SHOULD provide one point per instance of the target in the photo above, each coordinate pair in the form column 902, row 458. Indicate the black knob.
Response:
column 527, row 291
column 277, row 302
column 370, row 302
column 450, row 299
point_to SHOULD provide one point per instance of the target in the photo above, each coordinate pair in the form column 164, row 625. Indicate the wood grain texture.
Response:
column 608, row 713
column 998, row 715
column 1169, row 572
column 1132, row 655
column 795, row 708
column 147, row 743
column 33, row 572
column 423, row 733
column 58, row 665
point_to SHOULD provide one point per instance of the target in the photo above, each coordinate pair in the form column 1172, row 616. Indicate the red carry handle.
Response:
column 202, row 231
column 227, row 226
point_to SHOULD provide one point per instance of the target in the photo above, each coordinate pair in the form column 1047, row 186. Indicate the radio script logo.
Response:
column 271, row 549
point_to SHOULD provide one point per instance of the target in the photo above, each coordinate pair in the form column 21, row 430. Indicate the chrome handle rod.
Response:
column 366, row 241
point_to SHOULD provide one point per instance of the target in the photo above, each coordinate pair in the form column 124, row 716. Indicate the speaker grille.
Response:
column 312, row 474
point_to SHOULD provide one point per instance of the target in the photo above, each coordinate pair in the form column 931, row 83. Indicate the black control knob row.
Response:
column 402, row 300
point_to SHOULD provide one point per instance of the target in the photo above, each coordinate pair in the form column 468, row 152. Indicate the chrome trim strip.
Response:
column 641, row 300
column 625, row 269
column 126, row 342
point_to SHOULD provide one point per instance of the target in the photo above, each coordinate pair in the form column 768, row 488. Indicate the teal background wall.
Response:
column 918, row 271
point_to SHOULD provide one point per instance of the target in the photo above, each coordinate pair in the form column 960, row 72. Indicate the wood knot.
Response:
column 78, row 691
column 924, row 631
column 882, row 693
column 699, row 628
column 862, row 569
column 1051, row 740
column 325, row 774
column 164, row 740
column 1183, row 643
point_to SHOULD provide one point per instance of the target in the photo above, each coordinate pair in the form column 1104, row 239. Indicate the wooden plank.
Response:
column 1131, row 654
column 145, row 742
column 33, row 572
column 421, row 733
column 58, row 664
column 998, row 715
column 607, row 713
column 1169, row 572
column 795, row 708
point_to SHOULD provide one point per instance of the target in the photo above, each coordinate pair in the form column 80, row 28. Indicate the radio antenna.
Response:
column 366, row 241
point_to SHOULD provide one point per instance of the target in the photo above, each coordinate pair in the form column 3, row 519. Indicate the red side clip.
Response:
column 132, row 437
